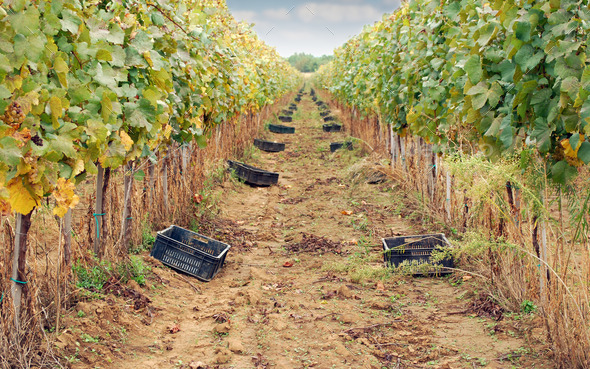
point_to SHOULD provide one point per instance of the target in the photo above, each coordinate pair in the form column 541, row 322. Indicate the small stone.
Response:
column 235, row 346
column 348, row 318
column 344, row 291
column 222, row 328
column 222, row 355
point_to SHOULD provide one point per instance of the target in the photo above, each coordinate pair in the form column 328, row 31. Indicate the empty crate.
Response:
column 414, row 251
column 190, row 252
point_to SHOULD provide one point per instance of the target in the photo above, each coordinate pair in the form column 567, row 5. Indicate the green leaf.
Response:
column 116, row 34
column 522, row 31
column 142, row 42
column 157, row 19
column 478, row 101
column 507, row 71
column 571, row 86
column 486, row 33
column 70, row 22
column 480, row 88
column 60, row 146
column 562, row 172
column 65, row 171
column 570, row 66
column 201, row 141
column 97, row 131
column 495, row 94
column 473, row 69
column 584, row 152
column 523, row 56
column 542, row 133
column 4, row 92
column 10, row 153
column 139, row 175
column 25, row 22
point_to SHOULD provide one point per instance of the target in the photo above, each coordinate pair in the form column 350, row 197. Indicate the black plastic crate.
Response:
column 324, row 113
column 252, row 175
column 285, row 119
column 329, row 119
column 297, row 99
column 190, row 252
column 279, row 128
column 338, row 145
column 269, row 145
column 287, row 112
column 416, row 251
column 332, row 127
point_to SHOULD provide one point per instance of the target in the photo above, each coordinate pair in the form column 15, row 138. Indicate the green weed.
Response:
column 92, row 277
column 133, row 269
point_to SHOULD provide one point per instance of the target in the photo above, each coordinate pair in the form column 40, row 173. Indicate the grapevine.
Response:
column 505, row 75
column 91, row 83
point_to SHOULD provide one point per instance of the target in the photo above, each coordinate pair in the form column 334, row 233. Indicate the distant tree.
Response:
column 308, row 63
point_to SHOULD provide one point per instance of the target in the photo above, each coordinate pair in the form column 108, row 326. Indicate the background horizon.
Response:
column 311, row 27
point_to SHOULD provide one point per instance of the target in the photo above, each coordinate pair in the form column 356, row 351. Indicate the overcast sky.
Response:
column 314, row 27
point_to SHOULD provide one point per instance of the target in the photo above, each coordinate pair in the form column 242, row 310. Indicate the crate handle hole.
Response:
column 200, row 238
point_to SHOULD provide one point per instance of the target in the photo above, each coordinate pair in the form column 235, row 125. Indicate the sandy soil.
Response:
column 333, row 308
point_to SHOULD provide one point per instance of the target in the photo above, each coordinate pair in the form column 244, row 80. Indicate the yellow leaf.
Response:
column 22, row 200
column 61, row 68
column 167, row 131
column 13, row 83
column 126, row 140
column 78, row 167
column 107, row 107
column 567, row 147
column 27, row 101
column 65, row 197
column 148, row 58
column 56, row 110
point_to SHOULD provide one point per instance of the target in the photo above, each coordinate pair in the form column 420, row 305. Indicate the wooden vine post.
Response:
column 165, row 183
column 102, row 182
column 127, row 219
column 67, row 238
column 19, row 260
column 98, row 207
column 448, row 197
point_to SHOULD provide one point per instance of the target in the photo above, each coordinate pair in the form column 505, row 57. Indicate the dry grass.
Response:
column 502, row 239
column 49, row 289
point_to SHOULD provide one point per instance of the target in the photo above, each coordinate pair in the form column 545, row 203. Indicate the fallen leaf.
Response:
column 197, row 198
column 347, row 212
column 288, row 264
column 466, row 278
column 174, row 329
column 380, row 286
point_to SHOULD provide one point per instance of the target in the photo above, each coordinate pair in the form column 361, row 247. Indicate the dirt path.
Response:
column 331, row 309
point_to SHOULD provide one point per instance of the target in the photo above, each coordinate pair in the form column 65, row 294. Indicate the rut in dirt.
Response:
column 304, row 284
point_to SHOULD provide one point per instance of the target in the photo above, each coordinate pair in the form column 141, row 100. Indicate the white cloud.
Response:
column 338, row 13
column 278, row 14
column 244, row 15
column 394, row 4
